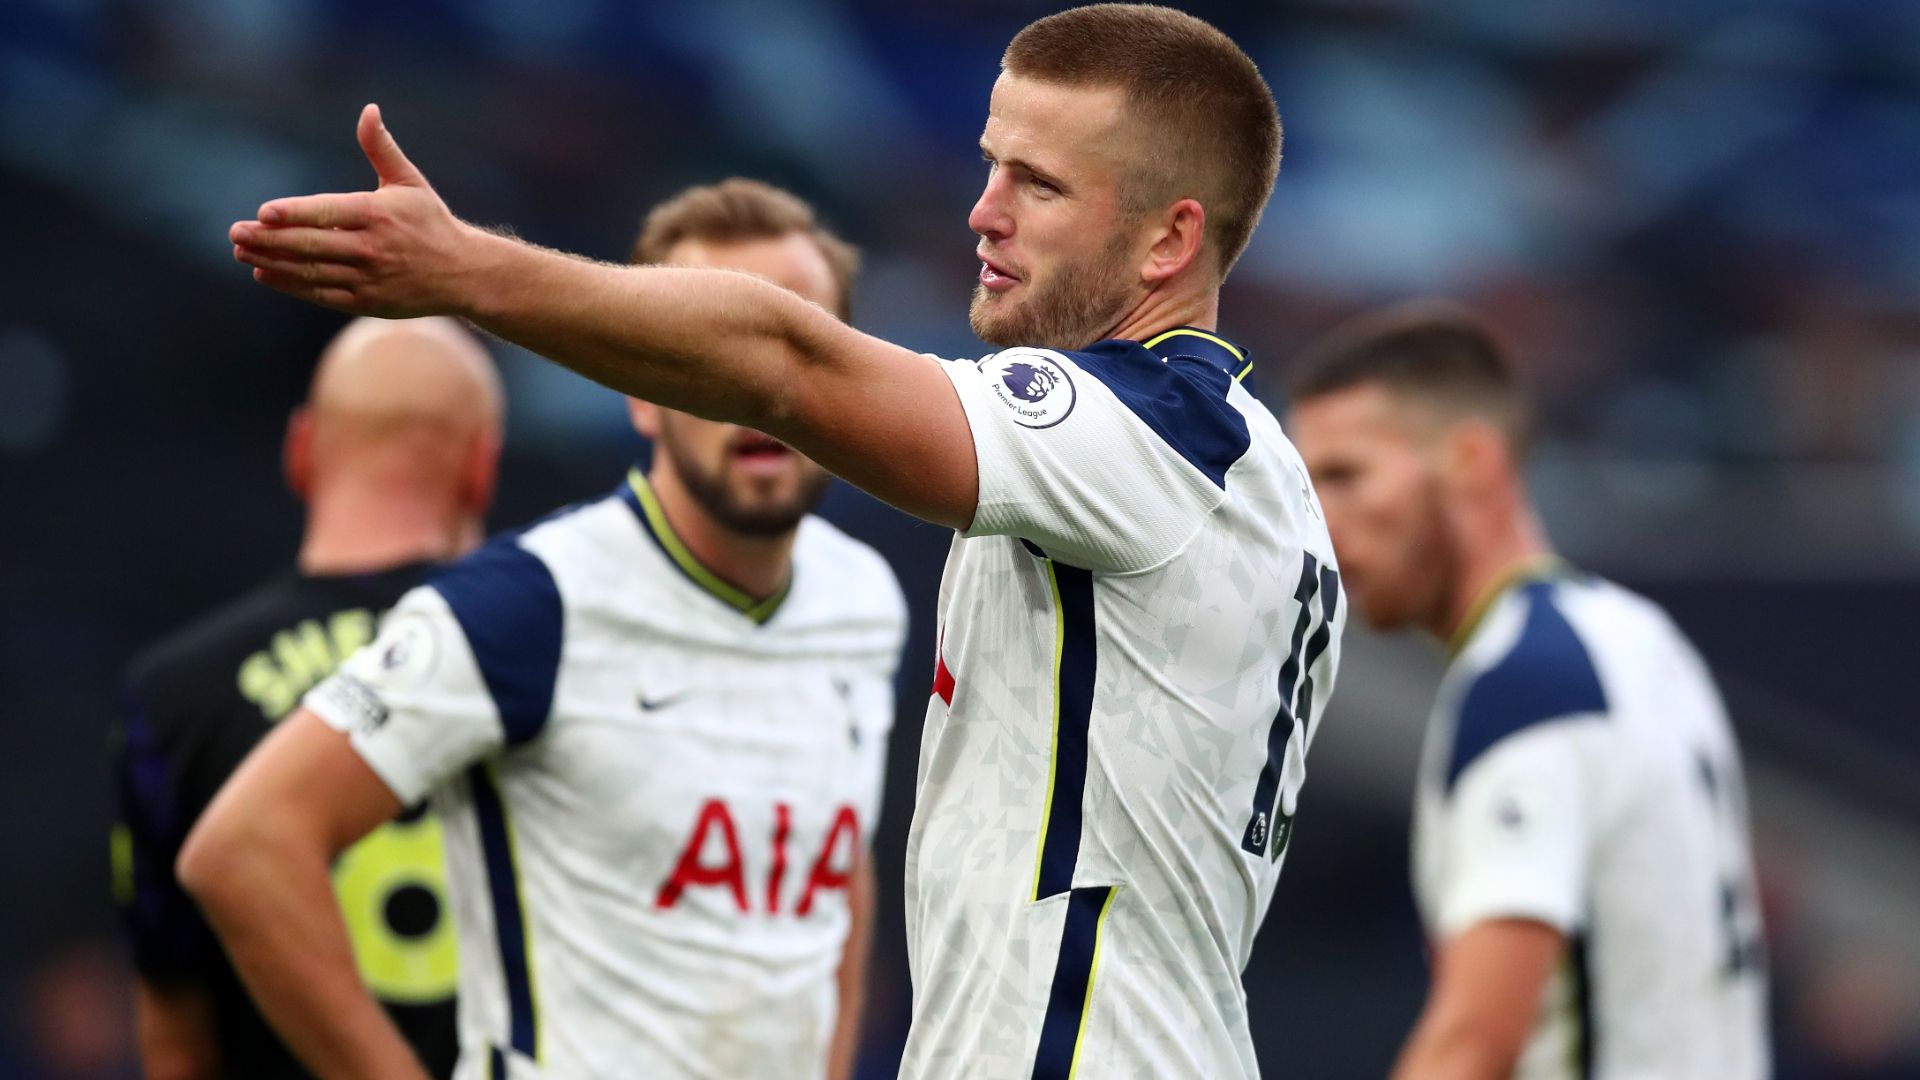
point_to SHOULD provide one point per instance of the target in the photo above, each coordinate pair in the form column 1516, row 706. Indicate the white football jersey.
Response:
column 653, row 789
column 1139, row 634
column 1579, row 770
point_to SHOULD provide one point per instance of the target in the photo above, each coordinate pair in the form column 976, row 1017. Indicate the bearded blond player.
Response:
column 1140, row 616
column 654, row 725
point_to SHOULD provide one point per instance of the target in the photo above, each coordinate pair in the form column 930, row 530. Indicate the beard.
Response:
column 1073, row 309
column 1422, row 590
column 739, row 512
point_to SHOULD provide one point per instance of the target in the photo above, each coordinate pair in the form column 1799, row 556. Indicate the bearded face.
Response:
column 1058, row 249
column 1067, row 304
column 750, row 483
column 1385, row 506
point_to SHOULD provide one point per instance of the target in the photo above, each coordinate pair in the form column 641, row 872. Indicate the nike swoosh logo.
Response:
column 648, row 704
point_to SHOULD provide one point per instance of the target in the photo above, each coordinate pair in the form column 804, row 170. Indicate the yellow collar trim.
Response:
column 656, row 521
column 1216, row 339
column 1526, row 570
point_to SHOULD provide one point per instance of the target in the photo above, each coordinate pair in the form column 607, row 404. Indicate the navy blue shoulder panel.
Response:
column 1548, row 674
column 509, row 608
column 1182, row 398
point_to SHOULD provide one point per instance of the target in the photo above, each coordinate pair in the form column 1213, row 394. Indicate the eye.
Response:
column 1042, row 186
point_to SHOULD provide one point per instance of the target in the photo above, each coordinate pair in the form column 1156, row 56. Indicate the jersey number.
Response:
column 393, row 895
column 1270, row 825
column 1740, row 934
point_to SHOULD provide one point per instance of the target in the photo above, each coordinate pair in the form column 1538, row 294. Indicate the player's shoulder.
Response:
column 211, row 636
column 583, row 534
column 1610, row 615
column 180, row 684
column 1527, row 665
column 1653, row 671
column 857, row 577
column 510, row 581
column 1183, row 385
column 514, row 596
column 566, row 558
column 509, row 609
column 193, row 666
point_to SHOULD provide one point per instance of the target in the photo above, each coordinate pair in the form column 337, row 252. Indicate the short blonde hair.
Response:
column 1430, row 352
column 1212, row 123
column 739, row 209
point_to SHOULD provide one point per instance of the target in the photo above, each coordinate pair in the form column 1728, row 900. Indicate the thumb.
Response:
column 389, row 164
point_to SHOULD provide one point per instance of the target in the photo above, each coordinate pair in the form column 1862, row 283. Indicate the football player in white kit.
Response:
column 1580, row 832
column 654, row 725
column 1141, row 616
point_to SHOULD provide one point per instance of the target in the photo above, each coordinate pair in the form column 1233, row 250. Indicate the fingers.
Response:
column 333, row 296
column 331, row 245
column 330, row 249
column 308, row 272
column 354, row 210
column 350, row 211
column 389, row 164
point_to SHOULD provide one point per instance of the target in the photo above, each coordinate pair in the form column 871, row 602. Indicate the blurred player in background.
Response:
column 394, row 456
column 1141, row 617
column 1580, row 834
column 655, row 726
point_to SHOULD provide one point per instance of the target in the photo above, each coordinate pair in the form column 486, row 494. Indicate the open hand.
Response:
column 395, row 252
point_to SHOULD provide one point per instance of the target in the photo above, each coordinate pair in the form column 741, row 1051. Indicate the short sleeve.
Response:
column 463, row 667
column 1515, row 831
column 1110, row 459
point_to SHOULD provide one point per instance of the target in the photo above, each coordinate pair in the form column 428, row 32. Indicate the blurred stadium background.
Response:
column 1699, row 223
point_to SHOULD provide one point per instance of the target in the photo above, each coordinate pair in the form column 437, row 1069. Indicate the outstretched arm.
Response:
column 717, row 343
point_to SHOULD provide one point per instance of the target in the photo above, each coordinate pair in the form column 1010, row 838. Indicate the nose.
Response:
column 990, row 217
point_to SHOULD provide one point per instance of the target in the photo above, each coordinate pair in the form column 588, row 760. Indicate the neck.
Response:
column 1164, row 309
column 756, row 565
column 1511, row 549
column 359, row 532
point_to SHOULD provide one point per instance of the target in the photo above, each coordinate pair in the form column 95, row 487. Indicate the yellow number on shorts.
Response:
column 393, row 893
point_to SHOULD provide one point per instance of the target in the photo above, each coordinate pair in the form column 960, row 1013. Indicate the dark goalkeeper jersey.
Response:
column 194, row 705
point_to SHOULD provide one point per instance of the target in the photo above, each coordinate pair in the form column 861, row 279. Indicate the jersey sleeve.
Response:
column 1516, row 831
column 462, row 668
column 1109, row 459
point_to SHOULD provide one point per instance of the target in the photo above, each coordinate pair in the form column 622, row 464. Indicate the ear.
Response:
column 296, row 453
column 1182, row 234
column 645, row 416
column 1475, row 458
column 481, row 473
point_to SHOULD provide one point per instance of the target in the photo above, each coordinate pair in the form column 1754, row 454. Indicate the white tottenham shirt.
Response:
column 1139, row 635
column 1580, row 771
column 654, row 789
